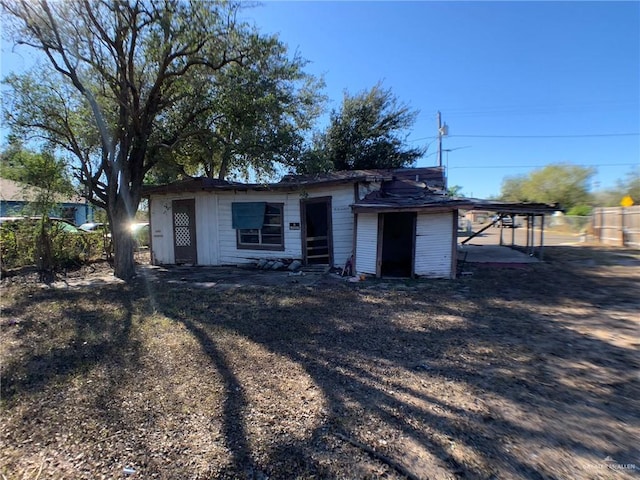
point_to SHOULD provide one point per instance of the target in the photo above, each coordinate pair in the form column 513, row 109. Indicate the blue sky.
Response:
column 540, row 71
column 492, row 69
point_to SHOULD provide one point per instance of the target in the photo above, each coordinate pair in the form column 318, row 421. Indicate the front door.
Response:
column 184, row 231
column 317, row 246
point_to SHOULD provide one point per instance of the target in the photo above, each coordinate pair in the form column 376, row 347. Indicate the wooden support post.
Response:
column 513, row 230
column 622, row 242
column 501, row 230
column 528, row 234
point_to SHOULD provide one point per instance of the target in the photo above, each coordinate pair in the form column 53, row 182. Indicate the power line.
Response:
column 589, row 135
column 552, row 108
column 539, row 166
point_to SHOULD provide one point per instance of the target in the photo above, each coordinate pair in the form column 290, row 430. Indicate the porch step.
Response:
column 316, row 268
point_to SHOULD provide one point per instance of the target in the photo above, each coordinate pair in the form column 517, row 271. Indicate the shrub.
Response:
column 580, row 211
column 25, row 242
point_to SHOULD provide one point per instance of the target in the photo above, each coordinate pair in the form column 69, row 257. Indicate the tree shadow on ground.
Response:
column 63, row 342
column 539, row 384
column 489, row 376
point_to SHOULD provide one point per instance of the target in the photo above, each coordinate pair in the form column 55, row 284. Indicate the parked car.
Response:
column 506, row 221
column 92, row 227
column 139, row 231
column 54, row 222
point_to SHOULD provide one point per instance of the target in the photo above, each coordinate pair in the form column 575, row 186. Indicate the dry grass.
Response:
column 527, row 373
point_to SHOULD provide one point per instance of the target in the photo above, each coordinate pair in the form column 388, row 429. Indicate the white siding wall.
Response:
column 207, row 229
column 216, row 239
column 229, row 252
column 367, row 243
column 162, row 228
column 434, row 234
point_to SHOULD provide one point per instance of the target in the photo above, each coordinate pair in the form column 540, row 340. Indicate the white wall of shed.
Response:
column 230, row 254
column 216, row 239
column 161, row 218
column 367, row 243
column 434, row 237
column 161, row 225
column 207, row 229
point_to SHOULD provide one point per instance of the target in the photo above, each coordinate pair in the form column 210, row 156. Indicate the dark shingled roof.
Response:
column 410, row 189
column 430, row 176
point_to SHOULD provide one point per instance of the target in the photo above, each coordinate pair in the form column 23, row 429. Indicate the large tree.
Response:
column 114, row 72
column 369, row 131
column 252, row 118
column 630, row 185
column 42, row 170
column 561, row 183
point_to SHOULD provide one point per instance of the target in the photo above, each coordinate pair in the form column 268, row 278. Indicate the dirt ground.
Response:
column 507, row 373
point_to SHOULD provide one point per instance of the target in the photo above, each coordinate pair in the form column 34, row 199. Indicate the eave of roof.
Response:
column 288, row 183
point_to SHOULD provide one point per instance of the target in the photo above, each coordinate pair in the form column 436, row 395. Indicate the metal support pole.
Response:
column 533, row 234
column 541, row 255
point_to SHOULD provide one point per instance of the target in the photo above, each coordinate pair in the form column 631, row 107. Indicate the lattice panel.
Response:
column 182, row 231
column 181, row 219
column 183, row 237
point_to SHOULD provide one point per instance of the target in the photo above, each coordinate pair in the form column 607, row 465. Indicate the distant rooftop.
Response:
column 12, row 191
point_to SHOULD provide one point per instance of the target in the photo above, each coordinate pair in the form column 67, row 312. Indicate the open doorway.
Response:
column 398, row 241
column 316, row 234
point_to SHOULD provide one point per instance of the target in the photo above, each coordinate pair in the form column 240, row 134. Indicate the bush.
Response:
column 25, row 243
column 17, row 244
column 579, row 211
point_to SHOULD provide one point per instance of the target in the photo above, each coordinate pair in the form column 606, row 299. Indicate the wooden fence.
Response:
column 617, row 226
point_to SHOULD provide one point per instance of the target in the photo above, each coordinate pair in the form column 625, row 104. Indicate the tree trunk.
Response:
column 124, row 266
column 224, row 163
column 44, row 253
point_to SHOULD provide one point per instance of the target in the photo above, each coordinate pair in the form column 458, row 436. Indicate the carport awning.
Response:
column 521, row 208
column 247, row 215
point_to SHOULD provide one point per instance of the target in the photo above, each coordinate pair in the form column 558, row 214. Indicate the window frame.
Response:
column 260, row 245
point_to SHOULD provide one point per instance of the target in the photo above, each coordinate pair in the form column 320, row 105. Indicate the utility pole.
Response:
column 443, row 131
column 439, row 139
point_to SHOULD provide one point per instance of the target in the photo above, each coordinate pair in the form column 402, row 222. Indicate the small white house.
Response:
column 388, row 222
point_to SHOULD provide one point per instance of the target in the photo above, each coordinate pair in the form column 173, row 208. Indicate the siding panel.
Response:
column 206, row 229
column 367, row 243
column 434, row 234
column 230, row 254
column 216, row 239
column 161, row 226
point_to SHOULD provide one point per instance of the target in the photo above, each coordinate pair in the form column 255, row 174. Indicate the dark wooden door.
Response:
column 184, row 231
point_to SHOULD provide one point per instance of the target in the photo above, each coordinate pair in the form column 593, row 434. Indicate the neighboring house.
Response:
column 392, row 222
column 15, row 196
